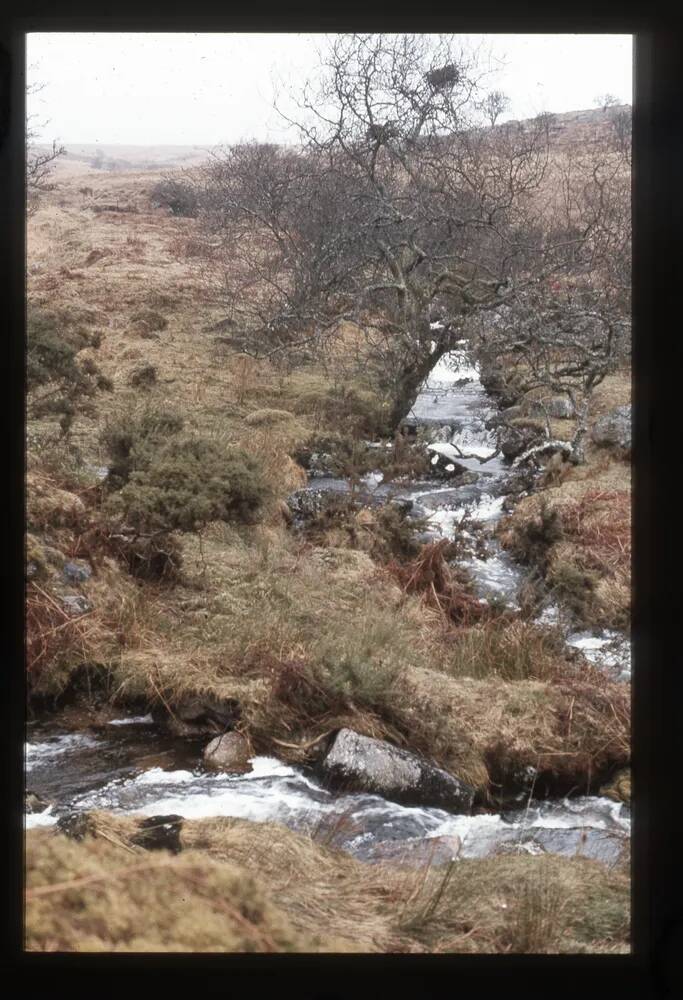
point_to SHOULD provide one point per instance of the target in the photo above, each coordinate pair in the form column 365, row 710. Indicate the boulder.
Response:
column 359, row 763
column 614, row 429
column 513, row 441
column 305, row 504
column 600, row 845
column 229, row 752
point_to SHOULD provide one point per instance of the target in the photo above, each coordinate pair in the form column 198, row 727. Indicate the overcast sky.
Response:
column 205, row 89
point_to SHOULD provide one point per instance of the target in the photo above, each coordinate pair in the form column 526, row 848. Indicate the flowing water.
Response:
column 127, row 766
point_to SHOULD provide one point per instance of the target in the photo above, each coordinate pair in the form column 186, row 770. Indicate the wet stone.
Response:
column 160, row 833
column 360, row 763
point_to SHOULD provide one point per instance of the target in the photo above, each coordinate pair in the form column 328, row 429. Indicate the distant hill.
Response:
column 118, row 157
column 567, row 127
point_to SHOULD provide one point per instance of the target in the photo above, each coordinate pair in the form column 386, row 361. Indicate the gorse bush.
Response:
column 179, row 196
column 132, row 438
column 60, row 383
column 360, row 411
column 190, row 482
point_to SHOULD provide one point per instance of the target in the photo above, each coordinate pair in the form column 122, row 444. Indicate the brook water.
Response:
column 128, row 766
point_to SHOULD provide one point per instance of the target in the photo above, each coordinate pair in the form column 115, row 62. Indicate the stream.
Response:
column 128, row 766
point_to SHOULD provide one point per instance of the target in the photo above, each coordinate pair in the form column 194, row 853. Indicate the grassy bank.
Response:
column 236, row 886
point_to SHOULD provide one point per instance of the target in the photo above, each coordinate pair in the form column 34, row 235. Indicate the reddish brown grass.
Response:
column 430, row 576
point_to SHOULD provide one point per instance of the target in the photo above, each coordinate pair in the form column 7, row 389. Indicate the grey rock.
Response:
column 229, row 752
column 307, row 503
column 360, row 763
column 601, row 845
column 77, row 571
column 75, row 604
column 614, row 429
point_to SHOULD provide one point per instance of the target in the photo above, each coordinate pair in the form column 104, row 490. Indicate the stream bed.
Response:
column 128, row 766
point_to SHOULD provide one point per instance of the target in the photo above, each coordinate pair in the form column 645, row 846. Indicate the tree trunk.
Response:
column 408, row 384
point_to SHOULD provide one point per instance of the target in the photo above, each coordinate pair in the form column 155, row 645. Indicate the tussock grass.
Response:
column 430, row 575
column 579, row 536
column 94, row 897
column 385, row 533
column 510, row 649
column 263, row 888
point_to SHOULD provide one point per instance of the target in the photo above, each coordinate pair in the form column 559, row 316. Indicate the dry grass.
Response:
column 589, row 562
column 307, row 640
column 431, row 576
column 240, row 886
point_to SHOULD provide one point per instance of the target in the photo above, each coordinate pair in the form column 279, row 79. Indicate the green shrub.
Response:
column 574, row 586
column 132, row 438
column 190, row 482
column 177, row 195
column 59, row 383
column 532, row 540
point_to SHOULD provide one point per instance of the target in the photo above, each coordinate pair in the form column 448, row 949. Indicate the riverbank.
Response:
column 243, row 890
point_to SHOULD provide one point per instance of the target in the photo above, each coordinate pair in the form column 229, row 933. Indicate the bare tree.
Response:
column 566, row 333
column 39, row 160
column 495, row 104
column 400, row 214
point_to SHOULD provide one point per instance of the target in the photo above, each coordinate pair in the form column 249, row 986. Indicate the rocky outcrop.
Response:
column 614, row 429
column 229, row 752
column 359, row 763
